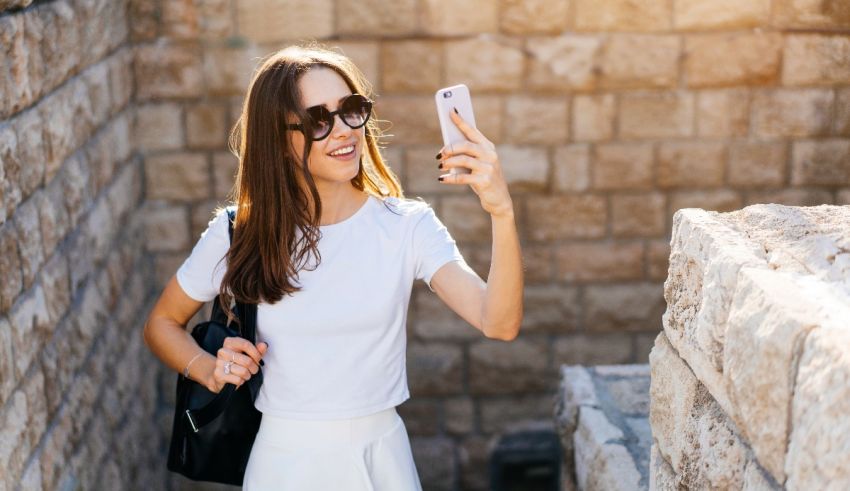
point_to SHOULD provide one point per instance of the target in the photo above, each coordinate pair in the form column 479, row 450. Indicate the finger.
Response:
column 235, row 369
column 245, row 346
column 467, row 162
column 465, row 178
column 230, row 378
column 471, row 133
column 464, row 147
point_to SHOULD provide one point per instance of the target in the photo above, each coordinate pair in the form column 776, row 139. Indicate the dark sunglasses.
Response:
column 354, row 110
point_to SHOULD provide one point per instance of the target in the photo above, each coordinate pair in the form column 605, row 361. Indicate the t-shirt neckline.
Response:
column 360, row 211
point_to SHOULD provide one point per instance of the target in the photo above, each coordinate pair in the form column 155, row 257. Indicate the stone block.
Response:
column 158, row 126
column 533, row 17
column 537, row 262
column 567, row 62
column 599, row 261
column 623, row 166
column 842, row 112
column 820, row 162
column 550, row 308
column 484, row 64
column 10, row 266
column 722, row 14
column 640, row 61
column 441, row 322
column 732, row 59
column 811, row 14
column 657, row 258
column 474, row 456
column 205, row 126
column 593, row 117
column 421, row 172
column 723, row 200
column 592, row 349
column 623, row 307
column 813, row 59
column 723, row 112
column 407, row 124
column 166, row 227
column 411, row 66
column 177, row 177
column 30, row 244
column 30, row 150
column 421, row 418
column 525, row 168
column 622, row 15
column 10, row 169
column 601, row 459
column 168, row 71
column 509, row 412
column 466, row 220
column 565, row 217
column 638, row 214
column 460, row 415
column 30, row 323
column 435, row 462
column 791, row 197
column 691, row 164
column 264, row 21
column 227, row 70
column 534, row 119
column 571, row 168
column 499, row 367
column 792, row 113
column 446, row 18
column 225, row 167
column 656, row 115
column 365, row 55
column 435, row 369
column 661, row 475
column 757, row 164
column 55, row 281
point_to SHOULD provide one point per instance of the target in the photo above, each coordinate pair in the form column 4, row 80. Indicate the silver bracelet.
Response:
column 186, row 370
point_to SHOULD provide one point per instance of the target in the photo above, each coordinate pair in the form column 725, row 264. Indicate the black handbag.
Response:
column 212, row 434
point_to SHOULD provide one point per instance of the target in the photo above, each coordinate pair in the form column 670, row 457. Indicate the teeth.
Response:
column 343, row 150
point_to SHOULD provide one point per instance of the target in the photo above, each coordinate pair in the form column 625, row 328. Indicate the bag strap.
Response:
column 247, row 314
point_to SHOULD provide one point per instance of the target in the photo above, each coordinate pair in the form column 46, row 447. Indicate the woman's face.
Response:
column 324, row 86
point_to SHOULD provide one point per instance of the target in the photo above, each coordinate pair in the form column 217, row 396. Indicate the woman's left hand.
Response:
column 479, row 155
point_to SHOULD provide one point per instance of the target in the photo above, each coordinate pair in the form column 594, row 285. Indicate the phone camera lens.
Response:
column 447, row 94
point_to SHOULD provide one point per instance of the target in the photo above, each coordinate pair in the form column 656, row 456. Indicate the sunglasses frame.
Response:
column 332, row 116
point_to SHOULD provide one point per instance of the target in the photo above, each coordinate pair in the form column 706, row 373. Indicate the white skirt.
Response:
column 368, row 453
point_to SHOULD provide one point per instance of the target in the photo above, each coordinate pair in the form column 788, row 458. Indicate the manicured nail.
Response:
column 455, row 109
column 440, row 165
column 262, row 364
column 440, row 179
column 439, row 156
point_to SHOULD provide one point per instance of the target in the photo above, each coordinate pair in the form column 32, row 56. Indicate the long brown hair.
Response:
column 264, row 256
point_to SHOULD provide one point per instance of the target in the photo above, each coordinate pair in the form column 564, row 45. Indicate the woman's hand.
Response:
column 243, row 360
column 479, row 155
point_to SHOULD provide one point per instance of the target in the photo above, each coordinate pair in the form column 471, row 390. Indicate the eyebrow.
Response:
column 337, row 102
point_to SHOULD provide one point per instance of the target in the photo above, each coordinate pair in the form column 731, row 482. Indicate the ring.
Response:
column 227, row 367
column 233, row 357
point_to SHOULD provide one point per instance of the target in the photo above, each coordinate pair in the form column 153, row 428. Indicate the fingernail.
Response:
column 440, row 165
column 262, row 364
column 439, row 156
column 440, row 179
column 455, row 109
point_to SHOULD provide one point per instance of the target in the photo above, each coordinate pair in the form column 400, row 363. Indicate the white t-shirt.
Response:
column 337, row 348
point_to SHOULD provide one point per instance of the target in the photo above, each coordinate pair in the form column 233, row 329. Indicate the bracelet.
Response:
column 186, row 370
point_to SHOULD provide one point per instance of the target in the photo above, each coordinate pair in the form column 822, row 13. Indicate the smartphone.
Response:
column 449, row 98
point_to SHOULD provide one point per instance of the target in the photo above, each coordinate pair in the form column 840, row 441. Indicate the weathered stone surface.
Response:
column 592, row 349
column 599, row 261
column 538, row 120
column 640, row 61
column 443, row 17
column 411, row 66
column 420, row 417
column 460, row 415
column 205, row 126
column 792, row 112
column 811, row 14
column 710, row 200
column 509, row 412
column 484, row 64
column 550, row 308
column 571, row 168
column 525, row 168
column 227, row 69
column 565, row 217
column 624, row 307
column 720, row 14
column 593, row 117
column 691, row 164
column 497, row 367
column 661, row 475
column 638, row 214
column 757, row 164
column 533, row 16
column 162, row 70
column 435, row 369
column 466, row 220
column 408, row 125
column 435, row 461
column 177, row 177
column 723, row 112
column 726, row 59
column 623, row 166
column 656, row 115
column 623, row 15
column 263, row 21
column 563, row 62
column 820, row 162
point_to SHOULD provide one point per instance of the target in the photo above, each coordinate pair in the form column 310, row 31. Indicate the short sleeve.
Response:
column 201, row 273
column 433, row 246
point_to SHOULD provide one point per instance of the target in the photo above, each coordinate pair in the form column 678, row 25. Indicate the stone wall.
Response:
column 609, row 115
column 76, row 403
column 749, row 376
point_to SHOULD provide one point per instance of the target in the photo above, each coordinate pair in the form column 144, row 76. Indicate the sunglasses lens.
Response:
column 355, row 110
column 319, row 122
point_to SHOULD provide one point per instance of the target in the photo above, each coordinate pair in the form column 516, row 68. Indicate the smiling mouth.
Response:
column 343, row 152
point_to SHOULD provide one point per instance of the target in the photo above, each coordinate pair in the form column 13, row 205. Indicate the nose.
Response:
column 340, row 128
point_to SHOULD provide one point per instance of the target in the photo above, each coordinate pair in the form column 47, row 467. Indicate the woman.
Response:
column 332, row 311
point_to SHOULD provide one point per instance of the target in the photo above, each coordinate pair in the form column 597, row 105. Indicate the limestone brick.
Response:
column 164, row 71
column 656, row 115
column 366, row 56
column 484, row 64
column 593, row 117
column 622, row 166
column 592, row 349
column 567, row 62
column 722, row 14
column 474, row 455
column 225, row 166
column 509, row 411
column 10, row 169
column 599, row 261
column 729, row 59
column 811, row 14
column 421, row 418
column 550, row 308
column 792, row 112
column 497, row 367
column 205, row 126
column 757, row 164
column 723, row 200
column 657, row 258
column 638, row 214
column 435, row 461
column 820, row 162
column 358, row 17
column 227, row 70
column 623, row 307
column 622, row 15
column 421, row 172
column 723, row 112
column 446, row 18
column 571, row 168
column 524, row 167
column 842, row 112
column 640, row 61
column 441, row 323
column 30, row 244
column 264, row 21
column 177, row 177
column 812, row 59
column 435, row 369
column 158, row 126
column 466, row 219
column 532, row 119
column 407, row 124
column 166, row 227
column 30, row 150
column 691, row 164
column 411, row 66
column 535, row 16
column 460, row 415
column 565, row 217
column 791, row 197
